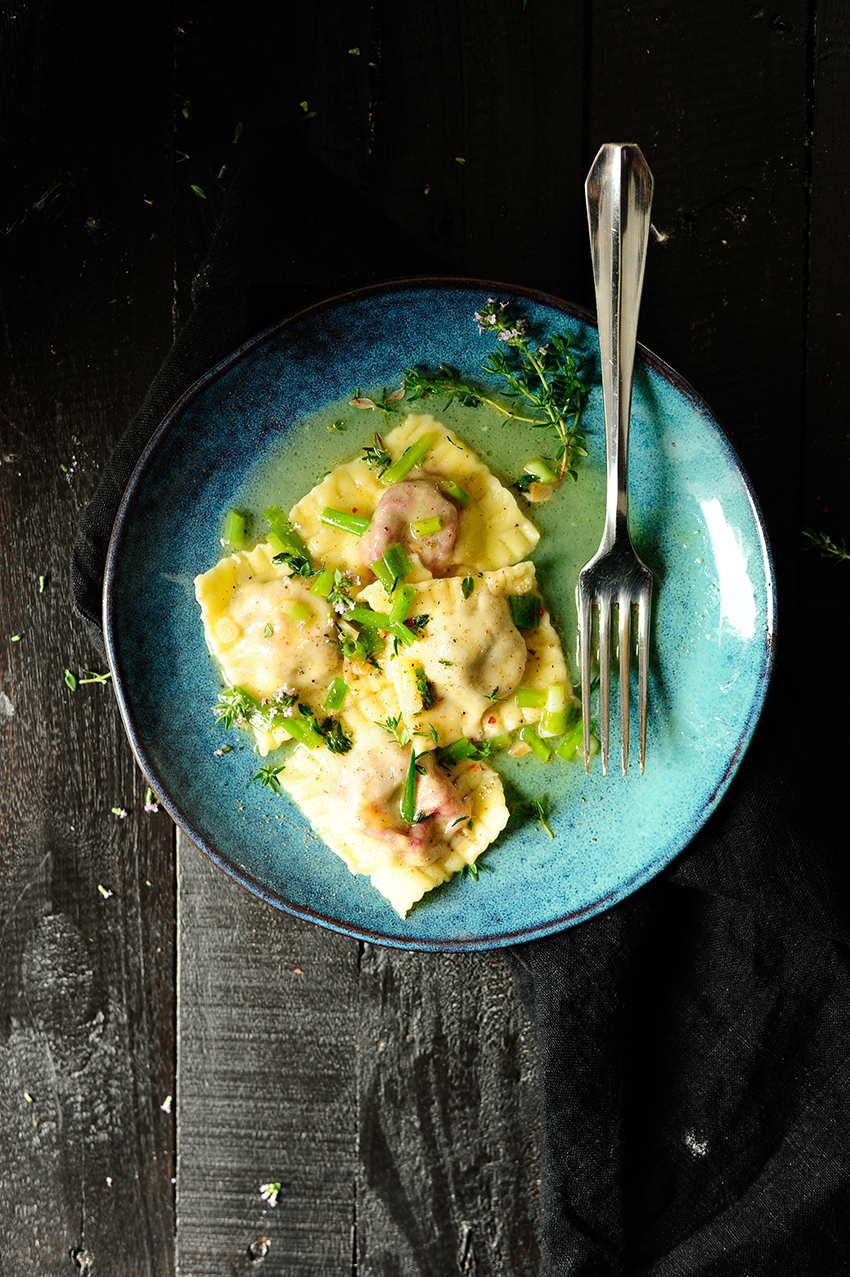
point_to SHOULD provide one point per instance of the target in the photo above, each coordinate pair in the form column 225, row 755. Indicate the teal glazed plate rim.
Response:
column 264, row 425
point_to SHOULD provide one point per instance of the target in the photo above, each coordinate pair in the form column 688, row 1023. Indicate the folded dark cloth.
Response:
column 693, row 1040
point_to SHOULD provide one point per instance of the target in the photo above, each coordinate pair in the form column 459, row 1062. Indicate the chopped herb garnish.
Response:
column 545, row 377
column 15, row 638
column 396, row 730
column 418, row 624
column 198, row 190
column 268, row 631
column 377, row 456
column 828, row 548
column 41, row 584
column 71, row 680
column 408, row 795
column 268, row 776
column 92, row 676
column 525, row 610
column 387, row 402
column 467, row 586
column 423, row 687
column 299, row 564
column 538, row 809
column 338, row 597
column 442, row 662
column 335, row 738
column 234, row 705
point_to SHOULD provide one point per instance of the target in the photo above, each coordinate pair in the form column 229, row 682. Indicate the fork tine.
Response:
column 585, row 613
column 625, row 610
column 604, row 675
column 644, row 612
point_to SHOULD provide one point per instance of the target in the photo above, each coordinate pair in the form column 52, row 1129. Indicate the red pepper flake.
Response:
column 296, row 971
column 491, row 719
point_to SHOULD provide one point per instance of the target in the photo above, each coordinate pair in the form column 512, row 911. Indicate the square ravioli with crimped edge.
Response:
column 492, row 531
column 343, row 798
column 472, row 656
column 378, row 702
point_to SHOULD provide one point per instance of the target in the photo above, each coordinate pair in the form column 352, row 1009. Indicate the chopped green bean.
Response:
column 298, row 611
column 323, row 583
column 383, row 574
column 290, row 541
column 426, row 527
column 344, row 522
column 234, row 528
column 458, row 750
column 408, row 459
column 368, row 617
column 528, row 698
column 301, row 729
column 554, row 719
column 456, row 493
column 402, row 603
column 396, row 561
column 336, row 694
column 541, row 470
column 538, row 747
column 572, row 742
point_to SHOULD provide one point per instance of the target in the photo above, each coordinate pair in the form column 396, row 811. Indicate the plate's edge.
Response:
column 468, row 944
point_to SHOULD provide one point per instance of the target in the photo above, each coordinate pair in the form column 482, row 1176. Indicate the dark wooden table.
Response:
column 168, row 1042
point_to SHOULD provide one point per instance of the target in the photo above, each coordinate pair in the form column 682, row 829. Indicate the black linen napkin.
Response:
column 693, row 1040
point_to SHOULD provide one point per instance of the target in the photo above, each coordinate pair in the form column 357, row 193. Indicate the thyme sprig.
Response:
column 396, row 730
column 828, row 548
column 377, row 456
column 544, row 378
column 537, row 809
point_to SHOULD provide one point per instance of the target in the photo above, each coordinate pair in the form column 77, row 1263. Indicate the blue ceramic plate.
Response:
column 260, row 427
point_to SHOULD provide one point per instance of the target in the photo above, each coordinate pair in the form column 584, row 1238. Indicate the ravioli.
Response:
column 378, row 777
column 493, row 532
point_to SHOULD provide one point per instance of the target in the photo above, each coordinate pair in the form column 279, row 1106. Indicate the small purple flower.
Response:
column 154, row 807
column 166, row 1104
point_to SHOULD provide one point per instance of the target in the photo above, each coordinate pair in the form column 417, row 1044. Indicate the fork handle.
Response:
column 618, row 192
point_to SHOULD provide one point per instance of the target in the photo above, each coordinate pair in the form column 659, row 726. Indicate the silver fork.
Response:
column 618, row 191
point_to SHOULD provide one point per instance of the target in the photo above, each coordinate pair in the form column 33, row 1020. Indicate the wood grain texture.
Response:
column 448, row 1110
column 394, row 1095
column 476, row 115
column 87, row 980
column 725, row 288
column 267, row 1059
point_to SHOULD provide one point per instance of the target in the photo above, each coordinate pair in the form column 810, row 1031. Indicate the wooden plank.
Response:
column 86, row 1161
column 448, row 1118
column 500, row 88
column 823, row 603
column 716, row 94
column 266, row 1083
